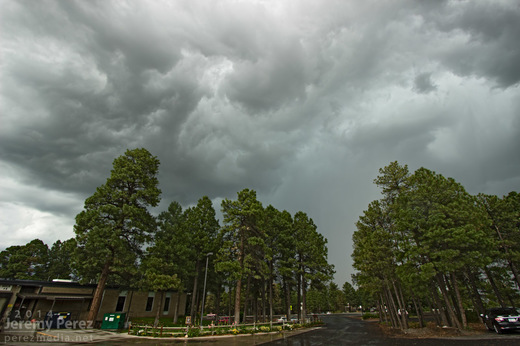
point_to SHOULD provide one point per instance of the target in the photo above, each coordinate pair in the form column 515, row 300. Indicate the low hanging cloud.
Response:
column 299, row 100
column 423, row 83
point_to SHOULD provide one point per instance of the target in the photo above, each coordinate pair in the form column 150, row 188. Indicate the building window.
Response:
column 149, row 301
column 149, row 304
column 166, row 304
column 120, row 303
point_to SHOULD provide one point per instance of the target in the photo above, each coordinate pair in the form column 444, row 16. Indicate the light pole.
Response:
column 204, row 291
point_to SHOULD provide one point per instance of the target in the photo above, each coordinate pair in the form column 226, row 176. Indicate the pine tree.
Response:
column 115, row 222
column 241, row 232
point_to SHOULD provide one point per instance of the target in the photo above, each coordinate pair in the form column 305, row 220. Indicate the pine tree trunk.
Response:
column 379, row 308
column 459, row 301
column 449, row 308
column 304, row 299
column 159, row 308
column 437, row 301
column 195, row 291
column 129, row 306
column 515, row 273
column 254, row 307
column 477, row 300
column 299, row 300
column 176, row 310
column 382, row 308
column 511, row 264
column 287, row 292
column 218, row 296
column 402, row 306
column 271, row 295
column 394, row 316
column 264, row 298
column 246, row 300
column 453, row 296
column 419, row 311
column 435, row 312
column 238, row 292
column 229, row 302
column 237, row 300
column 98, row 294
column 495, row 288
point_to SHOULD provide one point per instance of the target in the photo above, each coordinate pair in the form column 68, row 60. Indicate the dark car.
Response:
column 500, row 319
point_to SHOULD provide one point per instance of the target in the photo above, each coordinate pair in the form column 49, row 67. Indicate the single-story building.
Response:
column 25, row 300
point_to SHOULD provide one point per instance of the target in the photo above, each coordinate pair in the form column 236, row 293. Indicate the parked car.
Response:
column 500, row 319
column 284, row 319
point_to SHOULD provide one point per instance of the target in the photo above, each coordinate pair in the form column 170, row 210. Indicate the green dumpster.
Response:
column 113, row 321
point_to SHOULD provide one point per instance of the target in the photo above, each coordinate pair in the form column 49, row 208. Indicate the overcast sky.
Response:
column 302, row 101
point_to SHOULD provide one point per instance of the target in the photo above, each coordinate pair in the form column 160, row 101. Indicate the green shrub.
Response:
column 192, row 332
column 368, row 315
column 221, row 331
column 163, row 321
column 312, row 324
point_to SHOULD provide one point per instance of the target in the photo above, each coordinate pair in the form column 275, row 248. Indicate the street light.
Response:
column 204, row 291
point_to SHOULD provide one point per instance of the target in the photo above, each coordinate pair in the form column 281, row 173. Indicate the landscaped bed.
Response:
column 148, row 330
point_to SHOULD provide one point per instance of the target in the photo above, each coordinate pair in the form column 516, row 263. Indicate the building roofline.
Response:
column 37, row 283
column 71, row 284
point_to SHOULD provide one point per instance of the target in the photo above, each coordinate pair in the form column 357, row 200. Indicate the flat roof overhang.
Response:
column 52, row 297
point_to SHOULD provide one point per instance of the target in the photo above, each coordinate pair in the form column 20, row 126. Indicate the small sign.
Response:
column 188, row 319
column 5, row 288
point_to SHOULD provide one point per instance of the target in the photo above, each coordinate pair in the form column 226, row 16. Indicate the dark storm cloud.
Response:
column 487, row 48
column 302, row 101
column 96, row 94
column 423, row 83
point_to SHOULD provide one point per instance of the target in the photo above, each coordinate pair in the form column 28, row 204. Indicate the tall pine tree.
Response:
column 115, row 222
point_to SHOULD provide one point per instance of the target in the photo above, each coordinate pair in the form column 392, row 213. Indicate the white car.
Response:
column 284, row 320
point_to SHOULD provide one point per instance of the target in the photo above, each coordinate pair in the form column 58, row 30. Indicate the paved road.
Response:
column 344, row 330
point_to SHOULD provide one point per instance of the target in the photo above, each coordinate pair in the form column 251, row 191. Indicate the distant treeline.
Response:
column 260, row 261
